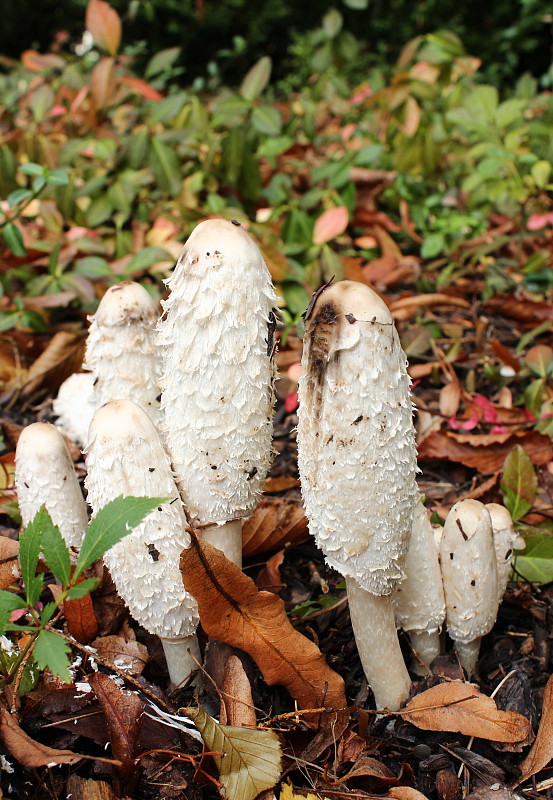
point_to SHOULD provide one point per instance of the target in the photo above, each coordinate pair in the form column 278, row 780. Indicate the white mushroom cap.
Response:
column 125, row 456
column 44, row 475
column 121, row 352
column 74, row 406
column 217, row 383
column 419, row 601
column 469, row 571
column 505, row 540
column 356, row 440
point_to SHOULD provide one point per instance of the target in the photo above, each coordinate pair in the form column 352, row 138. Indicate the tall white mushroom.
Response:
column 469, row 571
column 419, row 601
column 125, row 456
column 74, row 406
column 120, row 350
column 217, row 384
column 357, row 459
column 44, row 475
column 505, row 540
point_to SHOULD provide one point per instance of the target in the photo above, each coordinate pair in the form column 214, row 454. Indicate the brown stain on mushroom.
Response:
column 320, row 330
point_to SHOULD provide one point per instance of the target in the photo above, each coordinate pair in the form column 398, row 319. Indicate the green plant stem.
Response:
column 22, row 655
column 22, row 208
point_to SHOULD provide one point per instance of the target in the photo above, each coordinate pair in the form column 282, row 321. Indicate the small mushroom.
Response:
column 44, row 475
column 469, row 572
column 419, row 600
column 216, row 336
column 125, row 457
column 505, row 540
column 121, row 352
column 74, row 406
column 357, row 460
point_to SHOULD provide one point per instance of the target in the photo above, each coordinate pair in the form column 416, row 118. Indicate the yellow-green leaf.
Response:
column 251, row 758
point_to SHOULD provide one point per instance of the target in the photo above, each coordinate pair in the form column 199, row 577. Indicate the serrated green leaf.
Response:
column 14, row 239
column 78, row 591
column 51, row 652
column 47, row 613
column 536, row 563
column 10, row 602
column 256, row 79
column 55, row 552
column 519, row 482
column 113, row 522
column 251, row 758
column 29, row 545
column 34, row 589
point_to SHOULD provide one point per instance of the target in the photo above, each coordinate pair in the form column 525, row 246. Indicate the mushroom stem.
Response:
column 374, row 628
column 467, row 653
column 226, row 537
column 183, row 656
column 426, row 645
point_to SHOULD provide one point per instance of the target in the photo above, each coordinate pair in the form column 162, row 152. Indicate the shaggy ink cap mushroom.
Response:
column 74, row 406
column 357, row 460
column 506, row 541
column 125, row 457
column 469, row 573
column 44, row 475
column 121, row 352
column 419, row 601
column 217, row 383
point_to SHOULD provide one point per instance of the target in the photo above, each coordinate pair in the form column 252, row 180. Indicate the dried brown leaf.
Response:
column 450, row 397
column 486, row 458
column 233, row 611
column 237, row 707
column 128, row 655
column 123, row 713
column 367, row 767
column 63, row 356
column 406, row 306
column 274, row 523
column 541, row 751
column 9, row 562
column 81, row 619
column 281, row 483
column 520, row 308
column 459, row 707
column 25, row 750
column 406, row 793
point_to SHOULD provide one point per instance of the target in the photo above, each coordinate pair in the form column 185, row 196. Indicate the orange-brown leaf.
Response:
column 273, row 523
column 81, row 619
column 406, row 793
column 123, row 713
column 541, row 752
column 25, row 750
column 102, row 81
column 486, row 457
column 9, row 562
column 459, row 707
column 233, row 611
column 62, row 357
column 330, row 224
column 104, row 24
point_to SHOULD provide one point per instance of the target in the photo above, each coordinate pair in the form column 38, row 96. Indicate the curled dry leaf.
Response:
column 541, row 751
column 233, row 611
column 127, row 655
column 25, row 750
column 274, row 523
column 486, row 458
column 367, row 767
column 248, row 761
column 237, row 707
column 459, row 707
column 9, row 562
column 123, row 713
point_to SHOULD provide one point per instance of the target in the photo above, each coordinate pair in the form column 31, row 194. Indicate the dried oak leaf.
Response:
column 123, row 712
column 486, row 458
column 541, row 751
column 460, row 708
column 273, row 523
column 27, row 751
column 233, row 611
column 9, row 562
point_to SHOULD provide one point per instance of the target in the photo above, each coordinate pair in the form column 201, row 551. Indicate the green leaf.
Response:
column 358, row 5
column 55, row 551
column 99, row 211
column 19, row 196
column 113, row 522
column 47, row 613
column 256, row 79
column 540, row 360
column 541, row 172
column 267, row 119
column 92, row 267
column 14, row 240
column 536, row 564
column 57, row 177
column 165, row 166
column 10, row 601
column 32, row 169
column 251, row 758
column 519, row 482
column 33, row 589
column 78, row 591
column 146, row 258
column 51, row 652
column 29, row 545
column 332, row 23
column 161, row 61
column 168, row 108
column 433, row 245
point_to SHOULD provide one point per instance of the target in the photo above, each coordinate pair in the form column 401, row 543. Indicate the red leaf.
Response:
column 141, row 87
column 104, row 24
column 330, row 224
